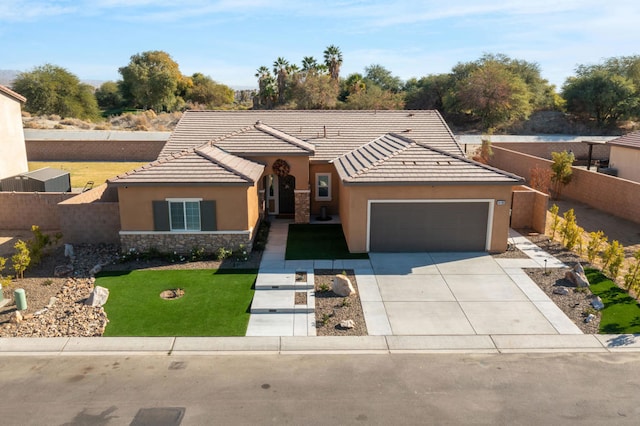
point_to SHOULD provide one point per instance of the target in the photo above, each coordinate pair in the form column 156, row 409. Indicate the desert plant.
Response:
column 570, row 230
column 37, row 244
column 613, row 256
column 21, row 259
column 223, row 253
column 4, row 281
column 596, row 239
column 346, row 302
column 540, row 179
column 324, row 287
column 555, row 222
column 561, row 170
column 632, row 278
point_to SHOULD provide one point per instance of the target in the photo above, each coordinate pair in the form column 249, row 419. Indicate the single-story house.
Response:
column 13, row 160
column 625, row 156
column 398, row 181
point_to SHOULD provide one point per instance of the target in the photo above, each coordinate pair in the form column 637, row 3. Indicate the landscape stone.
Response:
column 96, row 269
column 597, row 303
column 589, row 318
column 63, row 270
column 347, row 324
column 562, row 291
column 577, row 276
column 16, row 317
column 68, row 251
column 342, row 286
column 98, row 297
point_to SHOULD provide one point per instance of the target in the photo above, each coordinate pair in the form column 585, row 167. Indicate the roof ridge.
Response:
column 228, row 135
column 381, row 161
column 220, row 162
column 158, row 161
column 284, row 136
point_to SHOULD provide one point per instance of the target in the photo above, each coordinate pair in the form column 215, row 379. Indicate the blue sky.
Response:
column 230, row 39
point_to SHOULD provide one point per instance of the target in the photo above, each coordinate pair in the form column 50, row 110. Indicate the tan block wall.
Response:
column 619, row 197
column 93, row 150
column 20, row 210
column 91, row 217
column 627, row 161
column 353, row 209
column 13, row 157
column 529, row 209
column 332, row 206
column 544, row 149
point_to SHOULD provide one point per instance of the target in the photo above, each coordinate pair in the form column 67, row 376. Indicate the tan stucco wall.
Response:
column 13, row 160
column 233, row 212
column 627, row 161
column 333, row 205
column 253, row 207
column 353, row 208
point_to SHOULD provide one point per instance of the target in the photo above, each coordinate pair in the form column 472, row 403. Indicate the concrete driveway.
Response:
column 457, row 294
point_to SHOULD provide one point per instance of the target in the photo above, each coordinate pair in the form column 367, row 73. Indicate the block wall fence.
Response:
column 93, row 150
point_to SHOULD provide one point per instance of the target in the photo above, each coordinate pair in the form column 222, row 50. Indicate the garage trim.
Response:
column 489, row 201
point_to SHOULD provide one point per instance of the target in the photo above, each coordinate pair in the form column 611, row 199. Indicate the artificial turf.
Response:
column 308, row 242
column 621, row 313
column 215, row 302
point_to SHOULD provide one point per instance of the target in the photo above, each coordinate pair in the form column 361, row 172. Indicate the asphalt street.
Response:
column 319, row 389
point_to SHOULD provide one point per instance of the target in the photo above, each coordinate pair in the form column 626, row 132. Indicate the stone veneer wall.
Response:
column 302, row 205
column 183, row 243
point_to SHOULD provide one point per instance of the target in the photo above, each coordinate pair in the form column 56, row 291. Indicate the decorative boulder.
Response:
column 16, row 317
column 342, row 286
column 96, row 269
column 347, row 324
column 98, row 297
column 562, row 291
column 577, row 276
column 597, row 303
column 63, row 270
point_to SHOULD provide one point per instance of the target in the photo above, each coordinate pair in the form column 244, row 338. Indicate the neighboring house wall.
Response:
column 21, row 210
column 626, row 161
column 529, row 209
column 91, row 217
column 333, row 205
column 13, row 157
column 354, row 202
column 619, row 197
column 237, row 216
column 43, row 150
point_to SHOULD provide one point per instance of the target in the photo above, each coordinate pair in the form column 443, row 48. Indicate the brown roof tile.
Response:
column 630, row 140
column 261, row 139
column 17, row 96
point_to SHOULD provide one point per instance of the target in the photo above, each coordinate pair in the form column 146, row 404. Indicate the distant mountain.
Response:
column 7, row 76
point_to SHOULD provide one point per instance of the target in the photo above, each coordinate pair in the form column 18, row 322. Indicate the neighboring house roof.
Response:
column 204, row 165
column 395, row 159
column 18, row 97
column 93, row 135
column 630, row 140
column 332, row 132
column 261, row 139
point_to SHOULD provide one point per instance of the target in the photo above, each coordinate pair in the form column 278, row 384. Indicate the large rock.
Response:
column 95, row 270
column 577, row 276
column 347, row 323
column 342, row 286
column 562, row 291
column 596, row 302
column 98, row 297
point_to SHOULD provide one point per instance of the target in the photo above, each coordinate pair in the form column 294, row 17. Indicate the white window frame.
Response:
column 183, row 201
column 318, row 197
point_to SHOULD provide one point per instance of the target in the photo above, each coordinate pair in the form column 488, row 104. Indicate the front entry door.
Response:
column 286, row 198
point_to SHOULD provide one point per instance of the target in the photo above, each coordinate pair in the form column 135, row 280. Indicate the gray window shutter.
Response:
column 208, row 215
column 161, row 216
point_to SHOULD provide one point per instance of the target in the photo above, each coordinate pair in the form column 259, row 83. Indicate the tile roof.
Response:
column 332, row 132
column 630, row 140
column 17, row 96
column 205, row 165
column 262, row 139
column 395, row 159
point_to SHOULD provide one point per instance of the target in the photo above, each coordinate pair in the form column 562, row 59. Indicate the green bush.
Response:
column 570, row 230
column 21, row 259
column 613, row 256
column 596, row 239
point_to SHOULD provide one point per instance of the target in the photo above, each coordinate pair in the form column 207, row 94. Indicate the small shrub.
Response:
column 38, row 244
column 632, row 278
column 47, row 282
column 5, row 282
column 570, row 230
column 613, row 256
column 21, row 259
column 197, row 254
column 223, row 253
column 324, row 287
column 596, row 239
column 241, row 253
column 555, row 222
column 346, row 302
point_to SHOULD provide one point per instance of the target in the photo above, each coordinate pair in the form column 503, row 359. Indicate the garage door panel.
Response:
column 402, row 226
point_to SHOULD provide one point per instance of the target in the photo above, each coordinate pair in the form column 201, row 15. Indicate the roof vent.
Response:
column 406, row 131
column 258, row 122
column 411, row 114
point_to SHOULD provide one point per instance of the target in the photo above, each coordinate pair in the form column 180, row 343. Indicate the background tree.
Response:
column 152, row 79
column 281, row 71
column 373, row 97
column 354, row 83
column 51, row 89
column 333, row 61
column 317, row 91
column 428, row 92
column 108, row 96
column 378, row 75
column 561, row 169
column 207, row 92
column 267, row 91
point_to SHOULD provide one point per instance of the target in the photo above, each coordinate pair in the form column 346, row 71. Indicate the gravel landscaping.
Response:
column 332, row 309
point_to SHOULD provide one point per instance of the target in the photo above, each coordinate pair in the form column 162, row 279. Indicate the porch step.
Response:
column 284, row 281
column 281, row 301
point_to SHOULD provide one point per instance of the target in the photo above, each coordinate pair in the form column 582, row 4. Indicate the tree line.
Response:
column 491, row 92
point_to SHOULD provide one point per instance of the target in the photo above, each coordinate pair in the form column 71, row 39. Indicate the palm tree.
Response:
column 333, row 61
column 265, row 83
column 309, row 64
column 280, row 69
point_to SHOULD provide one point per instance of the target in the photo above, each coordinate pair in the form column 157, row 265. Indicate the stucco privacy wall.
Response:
column 529, row 209
column 13, row 158
column 627, row 162
column 354, row 201
column 91, row 217
column 619, row 197
column 93, row 150
column 21, row 210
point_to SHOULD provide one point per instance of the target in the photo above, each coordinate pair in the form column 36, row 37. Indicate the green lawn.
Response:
column 621, row 313
column 318, row 242
column 215, row 303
